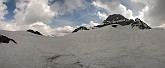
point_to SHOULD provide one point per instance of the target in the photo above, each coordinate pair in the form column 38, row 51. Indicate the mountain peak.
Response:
column 115, row 17
column 121, row 20
column 118, row 19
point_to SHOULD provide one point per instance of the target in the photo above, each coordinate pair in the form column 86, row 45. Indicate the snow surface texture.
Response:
column 106, row 47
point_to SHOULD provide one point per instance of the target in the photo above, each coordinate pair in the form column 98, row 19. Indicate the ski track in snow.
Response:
column 106, row 47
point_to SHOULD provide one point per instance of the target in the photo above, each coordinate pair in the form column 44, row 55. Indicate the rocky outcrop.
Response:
column 140, row 24
column 4, row 39
column 80, row 28
column 34, row 32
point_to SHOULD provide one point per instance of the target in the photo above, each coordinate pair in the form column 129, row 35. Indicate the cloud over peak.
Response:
column 113, row 7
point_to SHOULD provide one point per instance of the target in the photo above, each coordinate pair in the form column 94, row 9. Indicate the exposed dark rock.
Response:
column 99, row 26
column 115, row 26
column 115, row 17
column 4, row 39
column 121, row 20
column 34, row 32
column 80, row 28
column 29, row 30
column 38, row 33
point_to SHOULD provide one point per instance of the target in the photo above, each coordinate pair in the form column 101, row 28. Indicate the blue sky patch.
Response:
column 11, row 5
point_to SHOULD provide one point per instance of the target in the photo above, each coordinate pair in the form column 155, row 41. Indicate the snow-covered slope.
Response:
column 106, row 47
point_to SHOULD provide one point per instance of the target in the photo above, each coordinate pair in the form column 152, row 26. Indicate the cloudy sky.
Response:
column 63, row 16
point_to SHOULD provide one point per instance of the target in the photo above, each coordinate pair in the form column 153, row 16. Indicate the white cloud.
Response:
column 61, row 31
column 3, row 8
column 113, row 7
column 90, row 24
column 35, row 14
column 41, row 27
column 153, row 13
column 68, row 6
column 33, row 11
column 47, row 30
column 9, row 26
column 102, row 16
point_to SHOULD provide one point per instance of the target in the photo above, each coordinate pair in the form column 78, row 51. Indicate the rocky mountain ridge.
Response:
column 116, row 20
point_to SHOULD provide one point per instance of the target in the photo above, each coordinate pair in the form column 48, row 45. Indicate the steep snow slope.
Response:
column 106, row 47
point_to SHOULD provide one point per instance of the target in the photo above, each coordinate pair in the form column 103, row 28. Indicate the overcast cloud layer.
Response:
column 46, row 15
